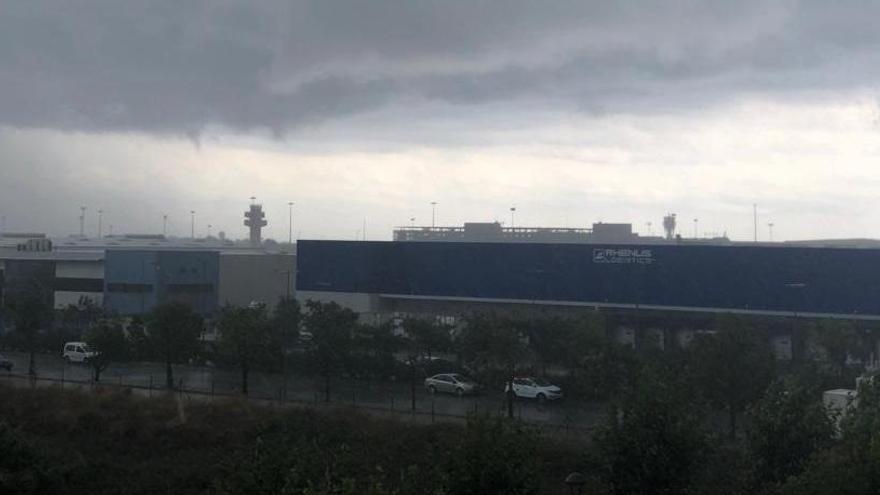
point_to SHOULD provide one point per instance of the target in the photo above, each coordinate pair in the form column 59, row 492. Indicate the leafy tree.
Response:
column 373, row 348
column 31, row 311
column 286, row 322
column 139, row 342
column 852, row 465
column 652, row 441
column 733, row 367
column 566, row 342
column 174, row 331
column 839, row 340
column 246, row 338
column 495, row 343
column 608, row 370
column 81, row 316
column 788, row 424
column 110, row 345
column 427, row 336
column 332, row 327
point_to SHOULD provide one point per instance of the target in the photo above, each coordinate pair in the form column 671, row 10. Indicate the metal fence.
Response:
column 345, row 396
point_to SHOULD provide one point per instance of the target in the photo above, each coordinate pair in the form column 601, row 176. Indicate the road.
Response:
column 376, row 395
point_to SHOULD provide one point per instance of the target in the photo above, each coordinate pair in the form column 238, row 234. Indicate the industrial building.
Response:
column 665, row 287
column 131, row 279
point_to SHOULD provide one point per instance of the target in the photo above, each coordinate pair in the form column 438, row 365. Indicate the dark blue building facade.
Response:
column 738, row 278
column 136, row 281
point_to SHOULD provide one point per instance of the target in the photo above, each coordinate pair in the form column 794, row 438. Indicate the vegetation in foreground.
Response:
column 54, row 441
column 655, row 440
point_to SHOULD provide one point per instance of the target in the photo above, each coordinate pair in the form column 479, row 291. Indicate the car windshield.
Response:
column 541, row 382
column 460, row 378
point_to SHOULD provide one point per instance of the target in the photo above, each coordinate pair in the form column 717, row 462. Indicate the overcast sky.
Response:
column 366, row 111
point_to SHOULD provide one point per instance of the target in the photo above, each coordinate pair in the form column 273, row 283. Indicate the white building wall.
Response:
column 79, row 269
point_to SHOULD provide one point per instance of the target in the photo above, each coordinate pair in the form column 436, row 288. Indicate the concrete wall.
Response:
column 246, row 278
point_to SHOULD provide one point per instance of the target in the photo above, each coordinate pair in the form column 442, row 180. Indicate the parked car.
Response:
column 5, row 363
column 535, row 388
column 452, row 383
column 77, row 352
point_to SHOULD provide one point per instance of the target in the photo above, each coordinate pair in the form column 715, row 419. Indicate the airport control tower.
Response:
column 255, row 218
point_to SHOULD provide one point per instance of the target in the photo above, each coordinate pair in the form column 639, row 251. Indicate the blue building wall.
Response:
column 135, row 281
column 753, row 278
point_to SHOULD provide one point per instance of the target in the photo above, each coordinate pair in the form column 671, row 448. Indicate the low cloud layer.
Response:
column 182, row 66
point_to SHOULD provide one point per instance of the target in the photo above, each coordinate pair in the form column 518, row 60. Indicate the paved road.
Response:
column 382, row 395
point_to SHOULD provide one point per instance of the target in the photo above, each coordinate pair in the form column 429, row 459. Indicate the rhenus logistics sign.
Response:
column 623, row 256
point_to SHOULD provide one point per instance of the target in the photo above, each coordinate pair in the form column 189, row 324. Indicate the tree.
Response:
column 286, row 321
column 332, row 327
column 839, row 340
column 495, row 343
column 733, row 367
column 174, row 331
column 566, row 342
column 373, row 349
column 852, row 465
column 428, row 337
column 425, row 337
column 31, row 312
column 246, row 338
column 109, row 344
column 653, row 441
column 788, row 424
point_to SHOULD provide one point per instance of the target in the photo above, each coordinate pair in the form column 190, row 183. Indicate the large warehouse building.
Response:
column 654, row 286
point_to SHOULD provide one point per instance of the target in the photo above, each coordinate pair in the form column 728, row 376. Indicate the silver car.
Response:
column 452, row 383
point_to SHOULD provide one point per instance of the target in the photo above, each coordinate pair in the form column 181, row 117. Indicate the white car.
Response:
column 77, row 352
column 535, row 388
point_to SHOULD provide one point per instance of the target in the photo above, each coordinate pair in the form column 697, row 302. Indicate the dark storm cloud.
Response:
column 179, row 66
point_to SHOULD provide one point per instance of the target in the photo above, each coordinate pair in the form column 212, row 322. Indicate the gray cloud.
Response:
column 181, row 66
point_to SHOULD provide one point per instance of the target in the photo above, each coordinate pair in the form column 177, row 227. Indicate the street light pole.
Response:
column 100, row 224
column 82, row 221
column 165, row 224
column 696, row 222
column 512, row 213
column 192, row 224
column 433, row 212
column 290, row 222
column 770, row 226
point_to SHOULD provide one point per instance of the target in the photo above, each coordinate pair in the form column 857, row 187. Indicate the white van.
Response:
column 77, row 352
